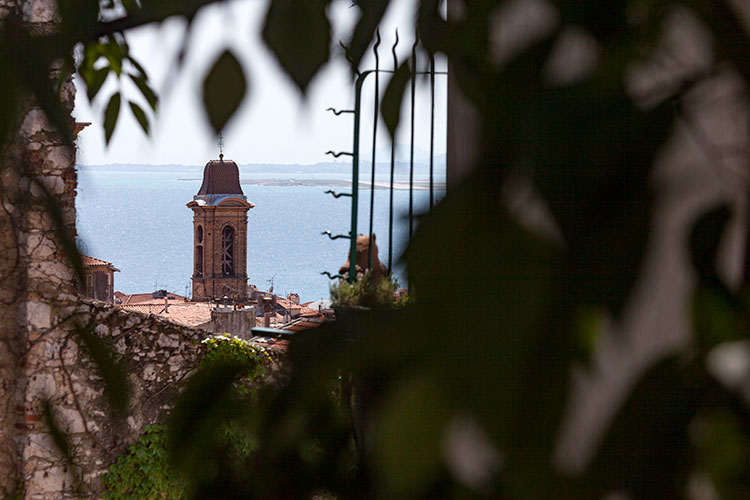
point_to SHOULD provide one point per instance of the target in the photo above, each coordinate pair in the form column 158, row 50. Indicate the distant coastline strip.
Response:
column 420, row 185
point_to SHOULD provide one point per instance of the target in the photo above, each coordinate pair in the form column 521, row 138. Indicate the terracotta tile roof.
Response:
column 303, row 323
column 183, row 313
column 148, row 298
column 307, row 312
column 271, row 343
column 275, row 320
column 295, row 309
column 94, row 262
column 220, row 177
column 320, row 304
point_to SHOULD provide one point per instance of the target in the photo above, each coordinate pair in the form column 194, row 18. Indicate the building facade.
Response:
column 99, row 278
column 220, row 234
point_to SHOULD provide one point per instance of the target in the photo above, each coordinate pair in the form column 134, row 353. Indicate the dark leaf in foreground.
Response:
column 704, row 241
column 66, row 240
column 114, row 375
column 643, row 452
column 299, row 35
column 390, row 107
column 29, row 61
column 223, row 90
column 722, row 445
column 146, row 90
column 59, row 437
column 94, row 81
column 110, row 116
column 372, row 12
column 140, row 115
column 201, row 409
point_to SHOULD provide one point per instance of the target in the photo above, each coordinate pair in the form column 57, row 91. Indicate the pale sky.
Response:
column 273, row 124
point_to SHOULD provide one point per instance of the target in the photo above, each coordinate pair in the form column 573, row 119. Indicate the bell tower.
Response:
column 220, row 233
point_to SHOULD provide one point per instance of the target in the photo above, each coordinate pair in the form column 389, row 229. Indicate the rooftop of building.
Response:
column 184, row 313
column 221, row 177
column 303, row 323
column 295, row 308
column 89, row 261
column 156, row 297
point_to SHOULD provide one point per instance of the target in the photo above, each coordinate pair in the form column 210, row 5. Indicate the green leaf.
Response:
column 717, row 315
column 114, row 375
column 115, row 53
column 497, row 366
column 131, row 5
column 608, row 180
column 390, row 107
column 723, row 452
column 587, row 325
column 110, row 116
column 140, row 116
column 223, row 90
column 411, row 425
column 643, row 451
column 148, row 93
column 299, row 35
column 94, row 81
column 704, row 241
column 138, row 67
column 200, row 410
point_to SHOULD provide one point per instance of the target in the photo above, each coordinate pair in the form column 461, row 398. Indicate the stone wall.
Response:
column 239, row 322
column 158, row 355
column 37, row 167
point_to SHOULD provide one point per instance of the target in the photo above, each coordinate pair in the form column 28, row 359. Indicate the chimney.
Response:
column 266, row 308
column 166, row 305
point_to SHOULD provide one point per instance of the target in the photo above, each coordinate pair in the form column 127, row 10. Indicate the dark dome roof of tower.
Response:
column 220, row 177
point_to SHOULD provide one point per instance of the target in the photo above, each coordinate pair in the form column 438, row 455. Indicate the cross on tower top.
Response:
column 221, row 146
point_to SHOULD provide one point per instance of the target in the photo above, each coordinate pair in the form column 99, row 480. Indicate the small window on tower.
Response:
column 227, row 251
column 199, row 234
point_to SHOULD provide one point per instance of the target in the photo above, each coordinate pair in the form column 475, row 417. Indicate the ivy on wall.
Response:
column 144, row 471
column 225, row 348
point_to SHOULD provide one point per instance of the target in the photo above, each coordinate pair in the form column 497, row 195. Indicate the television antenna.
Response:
column 270, row 289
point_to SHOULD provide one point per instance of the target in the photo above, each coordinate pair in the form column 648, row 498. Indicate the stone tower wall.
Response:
column 213, row 284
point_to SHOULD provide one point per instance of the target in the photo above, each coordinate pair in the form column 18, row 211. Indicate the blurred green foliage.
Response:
column 144, row 472
column 483, row 358
column 366, row 292
column 225, row 348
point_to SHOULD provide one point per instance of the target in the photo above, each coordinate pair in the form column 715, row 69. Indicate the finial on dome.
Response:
column 221, row 146
column 221, row 156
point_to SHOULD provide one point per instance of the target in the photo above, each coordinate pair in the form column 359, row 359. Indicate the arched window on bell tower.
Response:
column 227, row 251
column 199, row 260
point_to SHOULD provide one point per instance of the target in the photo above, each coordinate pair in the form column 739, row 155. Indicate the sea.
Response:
column 135, row 217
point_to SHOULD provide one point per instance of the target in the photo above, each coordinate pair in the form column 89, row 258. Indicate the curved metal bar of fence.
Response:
column 376, row 104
